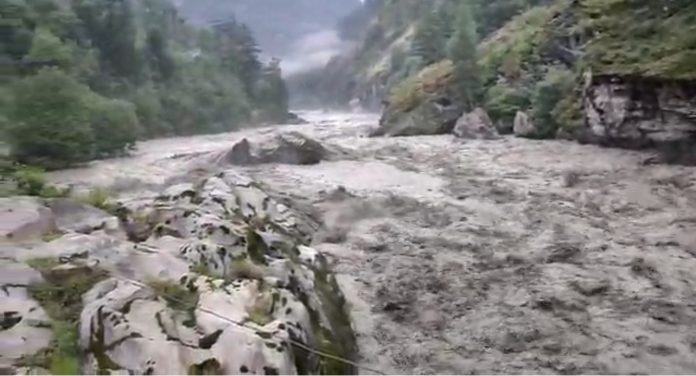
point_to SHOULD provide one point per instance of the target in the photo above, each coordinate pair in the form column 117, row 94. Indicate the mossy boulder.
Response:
column 424, row 104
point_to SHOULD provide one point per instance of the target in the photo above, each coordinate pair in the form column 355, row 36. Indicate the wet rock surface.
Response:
column 24, row 219
column 22, row 320
column 222, row 285
column 74, row 216
column 490, row 256
column 289, row 148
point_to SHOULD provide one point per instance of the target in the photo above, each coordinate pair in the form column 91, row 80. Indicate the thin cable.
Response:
column 239, row 324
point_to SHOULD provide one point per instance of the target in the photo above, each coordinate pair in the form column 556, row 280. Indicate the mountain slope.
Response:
column 560, row 61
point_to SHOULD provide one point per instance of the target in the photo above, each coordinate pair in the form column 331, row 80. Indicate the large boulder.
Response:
column 422, row 105
column 24, row 219
column 523, row 126
column 286, row 148
column 475, row 125
column 636, row 112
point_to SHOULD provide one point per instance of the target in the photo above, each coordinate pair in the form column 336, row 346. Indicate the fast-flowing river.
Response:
column 461, row 256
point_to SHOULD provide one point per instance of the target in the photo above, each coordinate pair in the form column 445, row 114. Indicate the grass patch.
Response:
column 200, row 268
column 260, row 312
column 20, row 180
column 256, row 246
column 60, row 295
column 51, row 236
column 178, row 298
column 99, row 198
column 243, row 268
column 338, row 339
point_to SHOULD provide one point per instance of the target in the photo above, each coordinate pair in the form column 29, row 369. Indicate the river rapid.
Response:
column 472, row 256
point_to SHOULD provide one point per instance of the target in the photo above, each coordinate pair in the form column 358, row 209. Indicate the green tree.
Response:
column 556, row 85
column 148, row 108
column 47, row 48
column 16, row 32
column 272, row 93
column 239, row 52
column 158, row 55
column 115, row 125
column 123, row 69
column 51, row 120
column 432, row 35
column 502, row 103
column 110, row 26
column 462, row 51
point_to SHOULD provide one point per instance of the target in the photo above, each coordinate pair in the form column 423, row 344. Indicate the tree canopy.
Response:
column 89, row 77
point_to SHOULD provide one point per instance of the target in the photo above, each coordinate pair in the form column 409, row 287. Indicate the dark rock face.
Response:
column 643, row 113
column 286, row 148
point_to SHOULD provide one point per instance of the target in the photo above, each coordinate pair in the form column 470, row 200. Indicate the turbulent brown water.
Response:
column 505, row 256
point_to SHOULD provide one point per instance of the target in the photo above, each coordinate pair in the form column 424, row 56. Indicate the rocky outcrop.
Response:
column 523, row 126
column 21, row 317
column 637, row 112
column 75, row 216
column 222, row 285
column 433, row 116
column 24, row 219
column 422, row 105
column 294, row 119
column 286, row 148
column 475, row 125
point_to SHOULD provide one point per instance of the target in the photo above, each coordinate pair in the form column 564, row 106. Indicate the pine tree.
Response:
column 462, row 51
column 428, row 43
column 240, row 51
column 112, row 30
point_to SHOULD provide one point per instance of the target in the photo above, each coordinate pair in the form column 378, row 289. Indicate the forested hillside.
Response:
column 84, row 79
column 535, row 56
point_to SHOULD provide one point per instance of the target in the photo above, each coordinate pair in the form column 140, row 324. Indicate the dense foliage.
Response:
column 84, row 79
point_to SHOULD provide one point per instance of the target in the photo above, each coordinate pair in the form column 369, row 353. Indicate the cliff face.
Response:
column 637, row 112
column 381, row 33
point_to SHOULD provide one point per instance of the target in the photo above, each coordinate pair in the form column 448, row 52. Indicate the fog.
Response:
column 313, row 51
column 299, row 32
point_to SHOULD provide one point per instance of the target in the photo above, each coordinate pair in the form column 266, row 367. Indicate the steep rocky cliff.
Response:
column 638, row 112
